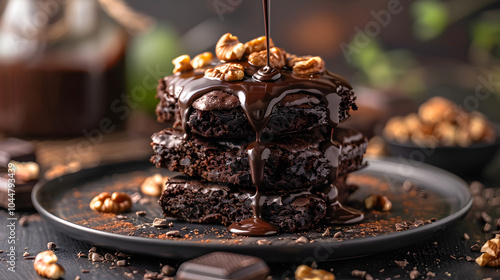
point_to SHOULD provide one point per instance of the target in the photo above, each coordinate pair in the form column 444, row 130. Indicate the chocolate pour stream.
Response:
column 258, row 92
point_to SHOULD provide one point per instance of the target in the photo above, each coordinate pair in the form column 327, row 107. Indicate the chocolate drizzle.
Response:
column 258, row 92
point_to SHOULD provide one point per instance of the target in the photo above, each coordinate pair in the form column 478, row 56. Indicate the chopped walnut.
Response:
column 46, row 265
column 229, row 48
column 26, row 171
column 201, row 60
column 153, row 185
column 491, row 253
column 226, row 72
column 257, row 45
column 310, row 66
column 277, row 58
column 304, row 272
column 116, row 203
column 378, row 202
column 182, row 64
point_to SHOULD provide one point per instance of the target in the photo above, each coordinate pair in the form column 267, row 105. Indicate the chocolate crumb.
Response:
column 24, row 221
column 302, row 240
column 431, row 274
column 29, row 257
column 167, row 270
column 95, row 257
column 141, row 213
column 121, row 263
column 128, row 275
column 486, row 218
column 263, row 242
column 85, row 271
column 326, row 233
column 466, row 236
column 173, row 233
column 170, row 224
column 470, row 259
column 51, row 246
column 160, row 223
column 418, row 223
column 368, row 277
column 487, row 227
column 93, row 249
column 338, row 235
column 497, row 224
column 402, row 263
column 109, row 257
column 77, row 277
column 358, row 273
column 121, row 217
column 81, row 255
column 414, row 274
column 1, row 251
column 453, row 257
column 26, row 254
column 151, row 275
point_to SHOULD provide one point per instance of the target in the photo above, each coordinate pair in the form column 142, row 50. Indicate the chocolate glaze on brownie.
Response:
column 295, row 162
column 190, row 200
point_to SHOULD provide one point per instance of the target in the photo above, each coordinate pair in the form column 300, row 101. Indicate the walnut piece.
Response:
column 182, row 64
column 257, row 45
column 201, row 60
column 46, row 265
column 116, row 203
column 229, row 48
column 277, row 58
column 153, row 185
column 304, row 272
column 26, row 171
column 378, row 202
column 491, row 253
column 309, row 66
column 226, row 72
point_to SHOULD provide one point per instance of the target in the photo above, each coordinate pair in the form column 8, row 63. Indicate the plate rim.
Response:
column 395, row 238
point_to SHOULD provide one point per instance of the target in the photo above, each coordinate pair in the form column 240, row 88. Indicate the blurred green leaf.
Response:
column 431, row 18
column 149, row 58
column 486, row 33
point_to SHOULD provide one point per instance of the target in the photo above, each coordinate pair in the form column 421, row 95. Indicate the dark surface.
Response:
column 442, row 254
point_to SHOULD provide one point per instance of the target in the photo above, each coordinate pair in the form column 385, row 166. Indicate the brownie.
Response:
column 296, row 162
column 219, row 114
column 194, row 201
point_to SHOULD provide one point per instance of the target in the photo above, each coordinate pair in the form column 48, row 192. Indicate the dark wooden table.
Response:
column 443, row 255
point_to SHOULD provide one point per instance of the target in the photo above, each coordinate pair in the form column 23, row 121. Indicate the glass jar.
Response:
column 61, row 67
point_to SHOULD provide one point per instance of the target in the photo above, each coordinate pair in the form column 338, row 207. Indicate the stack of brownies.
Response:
column 215, row 103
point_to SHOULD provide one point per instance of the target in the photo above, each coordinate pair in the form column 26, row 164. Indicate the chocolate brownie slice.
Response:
column 219, row 114
column 296, row 162
column 196, row 202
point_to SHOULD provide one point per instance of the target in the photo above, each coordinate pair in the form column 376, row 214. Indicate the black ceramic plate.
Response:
column 64, row 203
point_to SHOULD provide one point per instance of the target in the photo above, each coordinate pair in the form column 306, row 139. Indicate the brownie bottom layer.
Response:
column 193, row 201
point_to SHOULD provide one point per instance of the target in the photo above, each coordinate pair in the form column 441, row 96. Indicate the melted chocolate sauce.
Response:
column 258, row 92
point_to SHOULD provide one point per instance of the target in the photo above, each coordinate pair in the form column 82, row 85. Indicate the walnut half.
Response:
column 226, row 72
column 277, row 58
column 309, row 66
column 229, row 48
column 304, row 272
column 116, row 203
column 46, row 265
column 182, row 64
column 491, row 253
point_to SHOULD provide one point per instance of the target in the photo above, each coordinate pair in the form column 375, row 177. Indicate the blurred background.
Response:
column 82, row 73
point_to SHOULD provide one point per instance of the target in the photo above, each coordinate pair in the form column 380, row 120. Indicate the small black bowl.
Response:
column 463, row 161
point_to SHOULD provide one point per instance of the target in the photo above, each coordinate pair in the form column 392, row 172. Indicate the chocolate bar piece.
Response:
column 16, row 149
column 223, row 266
column 22, row 193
